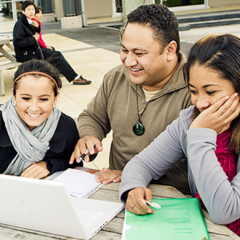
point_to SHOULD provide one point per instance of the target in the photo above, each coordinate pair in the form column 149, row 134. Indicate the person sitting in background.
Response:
column 38, row 19
column 207, row 133
column 25, row 41
column 36, row 139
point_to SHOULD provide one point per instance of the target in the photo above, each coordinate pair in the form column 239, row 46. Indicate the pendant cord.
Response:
column 139, row 115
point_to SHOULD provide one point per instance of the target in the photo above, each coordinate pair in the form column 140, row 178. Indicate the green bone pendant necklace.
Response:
column 139, row 128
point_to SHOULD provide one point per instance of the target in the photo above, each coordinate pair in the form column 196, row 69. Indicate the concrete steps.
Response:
column 212, row 19
column 200, row 20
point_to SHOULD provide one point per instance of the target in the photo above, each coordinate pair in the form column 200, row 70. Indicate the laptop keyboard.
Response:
column 88, row 217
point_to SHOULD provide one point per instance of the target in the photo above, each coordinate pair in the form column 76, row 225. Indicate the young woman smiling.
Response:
column 36, row 139
column 207, row 133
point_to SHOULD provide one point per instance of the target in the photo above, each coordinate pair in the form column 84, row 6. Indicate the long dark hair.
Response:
column 220, row 53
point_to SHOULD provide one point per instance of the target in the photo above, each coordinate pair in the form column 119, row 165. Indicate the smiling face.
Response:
column 207, row 87
column 38, row 16
column 29, row 11
column 34, row 99
column 143, row 57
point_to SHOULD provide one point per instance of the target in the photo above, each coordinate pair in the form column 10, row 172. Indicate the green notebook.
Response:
column 177, row 219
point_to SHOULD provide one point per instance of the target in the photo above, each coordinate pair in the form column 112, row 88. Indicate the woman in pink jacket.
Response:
column 38, row 19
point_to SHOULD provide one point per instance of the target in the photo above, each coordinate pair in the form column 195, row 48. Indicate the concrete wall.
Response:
column 58, row 9
column 103, row 8
column 48, row 17
column 129, row 6
column 98, row 8
column 222, row 3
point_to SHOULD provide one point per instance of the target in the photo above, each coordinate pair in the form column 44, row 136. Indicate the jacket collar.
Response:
column 24, row 19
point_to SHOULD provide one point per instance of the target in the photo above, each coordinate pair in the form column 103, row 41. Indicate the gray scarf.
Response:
column 31, row 146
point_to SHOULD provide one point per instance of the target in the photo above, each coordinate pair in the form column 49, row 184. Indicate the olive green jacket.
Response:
column 115, row 108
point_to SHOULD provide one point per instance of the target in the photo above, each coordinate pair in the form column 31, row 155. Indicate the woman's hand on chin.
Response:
column 37, row 170
column 218, row 116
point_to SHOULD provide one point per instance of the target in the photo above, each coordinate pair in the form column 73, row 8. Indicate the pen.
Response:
column 84, row 154
column 152, row 204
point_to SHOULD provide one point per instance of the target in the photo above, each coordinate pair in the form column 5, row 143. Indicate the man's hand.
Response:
column 36, row 36
column 136, row 201
column 35, row 24
column 107, row 176
column 87, row 142
column 36, row 170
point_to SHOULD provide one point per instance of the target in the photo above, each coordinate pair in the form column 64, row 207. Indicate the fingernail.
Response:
column 236, row 94
column 151, row 211
column 227, row 97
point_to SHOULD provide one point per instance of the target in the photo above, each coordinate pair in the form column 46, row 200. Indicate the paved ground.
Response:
column 101, row 35
column 94, row 34
column 98, row 35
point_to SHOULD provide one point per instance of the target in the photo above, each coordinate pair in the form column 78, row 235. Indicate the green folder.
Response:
column 177, row 219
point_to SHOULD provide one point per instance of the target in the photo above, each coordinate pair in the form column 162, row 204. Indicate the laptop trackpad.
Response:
column 88, row 211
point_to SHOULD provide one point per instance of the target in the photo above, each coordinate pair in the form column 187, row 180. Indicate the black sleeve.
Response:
column 20, row 38
column 55, row 164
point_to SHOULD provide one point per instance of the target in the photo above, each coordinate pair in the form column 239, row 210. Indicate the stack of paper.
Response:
column 78, row 183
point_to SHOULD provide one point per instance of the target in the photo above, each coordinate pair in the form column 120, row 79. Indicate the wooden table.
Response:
column 6, row 41
column 113, row 230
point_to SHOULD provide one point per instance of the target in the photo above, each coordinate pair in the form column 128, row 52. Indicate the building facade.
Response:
column 10, row 10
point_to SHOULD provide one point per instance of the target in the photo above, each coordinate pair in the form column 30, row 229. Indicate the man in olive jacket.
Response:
column 140, row 98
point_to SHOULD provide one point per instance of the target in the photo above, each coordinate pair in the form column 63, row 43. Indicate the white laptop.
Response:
column 46, row 206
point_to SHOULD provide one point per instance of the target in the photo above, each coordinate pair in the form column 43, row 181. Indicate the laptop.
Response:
column 46, row 206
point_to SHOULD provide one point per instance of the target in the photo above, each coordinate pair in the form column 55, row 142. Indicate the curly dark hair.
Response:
column 43, row 66
column 160, row 19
